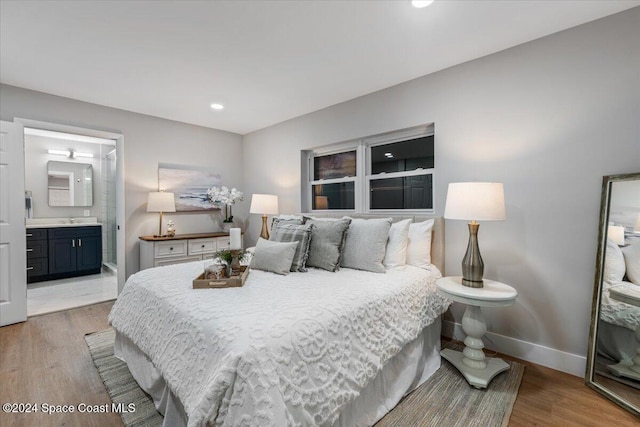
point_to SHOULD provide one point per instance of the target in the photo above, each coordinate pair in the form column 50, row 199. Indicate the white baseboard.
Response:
column 555, row 359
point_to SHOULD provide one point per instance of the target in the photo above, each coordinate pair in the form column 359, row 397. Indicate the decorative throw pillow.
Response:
column 286, row 219
column 632, row 262
column 365, row 244
column 419, row 250
column 396, row 252
column 294, row 233
column 614, row 267
column 327, row 241
column 275, row 257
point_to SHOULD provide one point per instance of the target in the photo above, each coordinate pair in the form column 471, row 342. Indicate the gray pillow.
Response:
column 275, row 257
column 286, row 219
column 294, row 233
column 327, row 240
column 365, row 244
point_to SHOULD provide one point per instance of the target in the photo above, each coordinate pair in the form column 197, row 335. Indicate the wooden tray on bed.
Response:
column 235, row 281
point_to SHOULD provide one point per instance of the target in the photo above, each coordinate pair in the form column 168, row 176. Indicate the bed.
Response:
column 316, row 348
column 619, row 319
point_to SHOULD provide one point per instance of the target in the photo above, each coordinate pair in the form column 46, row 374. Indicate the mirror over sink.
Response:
column 69, row 184
column 613, row 359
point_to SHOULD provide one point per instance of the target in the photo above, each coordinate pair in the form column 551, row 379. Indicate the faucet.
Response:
column 72, row 220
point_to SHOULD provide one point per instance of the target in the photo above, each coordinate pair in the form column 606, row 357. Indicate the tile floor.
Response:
column 63, row 294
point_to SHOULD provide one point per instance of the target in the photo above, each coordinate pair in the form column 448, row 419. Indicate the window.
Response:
column 388, row 172
column 401, row 175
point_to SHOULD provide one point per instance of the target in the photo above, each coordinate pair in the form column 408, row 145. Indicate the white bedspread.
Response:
column 282, row 350
column 617, row 312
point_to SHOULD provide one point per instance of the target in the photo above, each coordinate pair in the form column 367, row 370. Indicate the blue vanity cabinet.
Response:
column 75, row 250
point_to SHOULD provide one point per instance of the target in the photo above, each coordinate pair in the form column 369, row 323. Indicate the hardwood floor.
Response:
column 45, row 360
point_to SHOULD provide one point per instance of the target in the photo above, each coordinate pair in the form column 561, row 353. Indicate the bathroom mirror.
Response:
column 70, row 184
column 614, row 339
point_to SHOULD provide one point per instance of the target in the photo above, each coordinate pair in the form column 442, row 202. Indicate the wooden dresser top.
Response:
column 185, row 236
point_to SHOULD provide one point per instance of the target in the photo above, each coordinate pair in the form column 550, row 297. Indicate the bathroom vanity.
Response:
column 63, row 247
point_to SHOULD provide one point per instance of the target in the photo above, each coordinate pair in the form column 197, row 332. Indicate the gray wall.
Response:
column 548, row 119
column 147, row 142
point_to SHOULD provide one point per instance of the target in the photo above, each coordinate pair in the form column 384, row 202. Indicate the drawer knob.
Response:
column 171, row 248
column 203, row 246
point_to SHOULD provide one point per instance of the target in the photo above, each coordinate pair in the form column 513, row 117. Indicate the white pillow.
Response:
column 275, row 257
column 396, row 253
column 614, row 267
column 632, row 261
column 419, row 250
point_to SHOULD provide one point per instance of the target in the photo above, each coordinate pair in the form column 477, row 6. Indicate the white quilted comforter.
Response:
column 282, row 350
column 617, row 312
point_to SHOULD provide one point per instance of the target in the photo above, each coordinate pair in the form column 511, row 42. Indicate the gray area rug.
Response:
column 121, row 386
column 445, row 399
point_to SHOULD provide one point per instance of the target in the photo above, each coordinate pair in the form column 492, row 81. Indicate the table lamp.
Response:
column 265, row 204
column 474, row 201
column 159, row 201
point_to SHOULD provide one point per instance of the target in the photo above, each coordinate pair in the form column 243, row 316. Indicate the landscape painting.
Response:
column 189, row 184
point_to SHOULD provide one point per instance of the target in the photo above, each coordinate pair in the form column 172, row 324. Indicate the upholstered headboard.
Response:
column 437, row 237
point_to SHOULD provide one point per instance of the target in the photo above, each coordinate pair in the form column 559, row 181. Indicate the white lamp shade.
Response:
column 159, row 201
column 615, row 233
column 265, row 204
column 479, row 201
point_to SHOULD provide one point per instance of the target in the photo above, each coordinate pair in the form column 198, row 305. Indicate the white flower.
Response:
column 223, row 195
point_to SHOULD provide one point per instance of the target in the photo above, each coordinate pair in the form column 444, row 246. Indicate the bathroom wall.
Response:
column 36, row 181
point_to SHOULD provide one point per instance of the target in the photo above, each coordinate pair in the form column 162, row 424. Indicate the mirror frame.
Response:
column 607, row 183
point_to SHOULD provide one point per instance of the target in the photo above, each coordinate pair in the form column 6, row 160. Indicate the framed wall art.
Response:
column 189, row 185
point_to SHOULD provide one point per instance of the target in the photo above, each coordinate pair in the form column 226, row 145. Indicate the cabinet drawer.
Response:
column 171, row 248
column 36, row 234
column 223, row 243
column 37, row 267
column 36, row 249
column 200, row 246
column 177, row 260
column 74, row 232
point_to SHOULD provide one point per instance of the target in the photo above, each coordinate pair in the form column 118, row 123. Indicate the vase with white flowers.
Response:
column 225, row 198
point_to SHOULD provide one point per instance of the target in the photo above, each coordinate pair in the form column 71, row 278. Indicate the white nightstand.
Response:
column 471, row 362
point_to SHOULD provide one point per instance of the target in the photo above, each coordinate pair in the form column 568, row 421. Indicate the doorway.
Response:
column 53, row 209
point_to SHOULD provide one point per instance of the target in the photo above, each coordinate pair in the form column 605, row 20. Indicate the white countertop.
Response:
column 61, row 222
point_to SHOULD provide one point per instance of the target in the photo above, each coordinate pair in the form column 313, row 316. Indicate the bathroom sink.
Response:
column 62, row 222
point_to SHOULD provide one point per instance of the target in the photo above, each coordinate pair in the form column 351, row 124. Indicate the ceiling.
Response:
column 265, row 61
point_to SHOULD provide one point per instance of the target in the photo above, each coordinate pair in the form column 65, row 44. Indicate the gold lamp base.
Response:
column 160, row 228
column 472, row 264
column 265, row 232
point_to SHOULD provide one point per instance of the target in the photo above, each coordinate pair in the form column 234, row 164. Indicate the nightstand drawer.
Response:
column 200, row 246
column 172, row 261
column 170, row 248
column 223, row 243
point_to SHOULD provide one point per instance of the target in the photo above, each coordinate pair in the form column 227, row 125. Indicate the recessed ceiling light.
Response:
column 388, row 155
column 217, row 106
column 421, row 3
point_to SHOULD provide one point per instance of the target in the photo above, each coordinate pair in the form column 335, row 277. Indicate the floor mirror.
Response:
column 613, row 359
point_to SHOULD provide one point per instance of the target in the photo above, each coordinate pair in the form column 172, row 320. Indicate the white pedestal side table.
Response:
column 477, row 369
